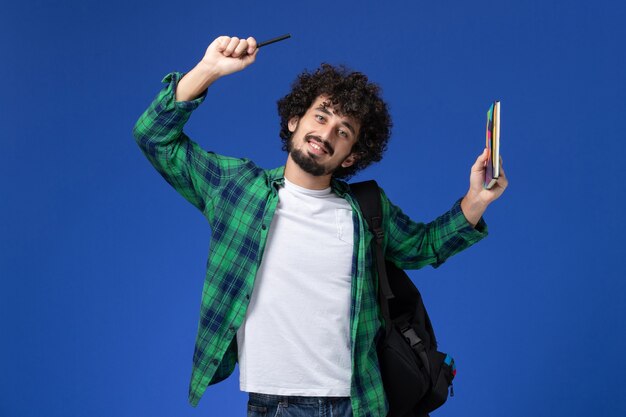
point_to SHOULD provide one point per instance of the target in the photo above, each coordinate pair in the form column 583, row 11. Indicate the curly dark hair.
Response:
column 352, row 95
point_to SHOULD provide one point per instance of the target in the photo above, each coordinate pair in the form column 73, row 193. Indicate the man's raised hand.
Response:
column 226, row 55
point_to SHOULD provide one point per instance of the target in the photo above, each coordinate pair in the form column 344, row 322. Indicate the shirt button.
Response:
column 263, row 227
column 215, row 362
column 231, row 329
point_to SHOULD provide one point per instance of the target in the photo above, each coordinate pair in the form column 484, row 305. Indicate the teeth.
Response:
column 315, row 146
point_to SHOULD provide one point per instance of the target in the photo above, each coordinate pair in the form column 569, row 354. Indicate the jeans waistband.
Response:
column 269, row 399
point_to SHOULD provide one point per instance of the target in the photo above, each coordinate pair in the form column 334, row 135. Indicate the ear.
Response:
column 350, row 160
column 293, row 124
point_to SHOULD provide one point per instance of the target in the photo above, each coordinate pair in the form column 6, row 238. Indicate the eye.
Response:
column 343, row 133
column 319, row 118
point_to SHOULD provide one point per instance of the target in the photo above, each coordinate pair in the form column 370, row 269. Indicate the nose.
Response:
column 326, row 131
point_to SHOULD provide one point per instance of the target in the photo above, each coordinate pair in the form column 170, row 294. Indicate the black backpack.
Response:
column 415, row 375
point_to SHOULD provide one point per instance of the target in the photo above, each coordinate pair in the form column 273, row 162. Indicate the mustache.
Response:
column 324, row 143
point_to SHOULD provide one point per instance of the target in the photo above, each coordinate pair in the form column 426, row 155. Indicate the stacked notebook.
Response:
column 492, row 172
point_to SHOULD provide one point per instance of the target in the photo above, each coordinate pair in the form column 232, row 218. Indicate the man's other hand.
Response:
column 478, row 198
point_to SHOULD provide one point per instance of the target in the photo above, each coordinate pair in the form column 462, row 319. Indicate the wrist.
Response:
column 473, row 208
column 473, row 201
column 207, row 71
column 195, row 82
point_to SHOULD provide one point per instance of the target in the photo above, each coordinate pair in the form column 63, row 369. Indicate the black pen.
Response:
column 278, row 39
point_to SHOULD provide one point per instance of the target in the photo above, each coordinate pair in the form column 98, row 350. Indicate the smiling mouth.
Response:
column 317, row 146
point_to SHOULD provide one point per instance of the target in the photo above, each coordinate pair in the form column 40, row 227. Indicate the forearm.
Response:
column 412, row 245
column 161, row 124
column 159, row 134
column 195, row 82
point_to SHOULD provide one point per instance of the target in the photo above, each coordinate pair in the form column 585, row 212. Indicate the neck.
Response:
column 296, row 175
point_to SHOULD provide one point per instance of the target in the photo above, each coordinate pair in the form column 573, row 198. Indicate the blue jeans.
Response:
column 264, row 405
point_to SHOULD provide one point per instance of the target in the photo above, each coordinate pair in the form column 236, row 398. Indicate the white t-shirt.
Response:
column 295, row 339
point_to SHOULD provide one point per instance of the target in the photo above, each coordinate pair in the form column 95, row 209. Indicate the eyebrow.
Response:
column 323, row 108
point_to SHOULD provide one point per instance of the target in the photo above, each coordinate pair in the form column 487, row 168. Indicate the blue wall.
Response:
column 102, row 264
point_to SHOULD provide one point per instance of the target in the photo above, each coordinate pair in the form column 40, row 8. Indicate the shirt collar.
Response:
column 276, row 179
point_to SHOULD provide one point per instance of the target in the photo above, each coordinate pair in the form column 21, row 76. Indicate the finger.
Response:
column 254, row 54
column 234, row 41
column 221, row 43
column 241, row 49
column 252, row 45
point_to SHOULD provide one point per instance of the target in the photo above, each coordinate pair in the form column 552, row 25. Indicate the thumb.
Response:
column 250, row 58
column 481, row 161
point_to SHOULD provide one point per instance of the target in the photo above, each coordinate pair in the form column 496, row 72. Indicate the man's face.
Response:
column 322, row 140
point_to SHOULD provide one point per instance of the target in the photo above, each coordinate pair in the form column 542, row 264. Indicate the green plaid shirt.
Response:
column 239, row 199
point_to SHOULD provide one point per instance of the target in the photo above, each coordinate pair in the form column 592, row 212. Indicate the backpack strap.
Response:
column 367, row 194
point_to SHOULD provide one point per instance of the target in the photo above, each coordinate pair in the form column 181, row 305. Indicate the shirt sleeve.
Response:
column 195, row 173
column 412, row 245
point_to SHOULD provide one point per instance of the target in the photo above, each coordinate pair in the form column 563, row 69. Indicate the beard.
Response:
column 306, row 161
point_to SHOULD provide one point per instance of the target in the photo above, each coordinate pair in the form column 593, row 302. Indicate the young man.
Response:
column 290, row 292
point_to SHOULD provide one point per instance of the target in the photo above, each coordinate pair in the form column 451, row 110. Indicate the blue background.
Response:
column 102, row 263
